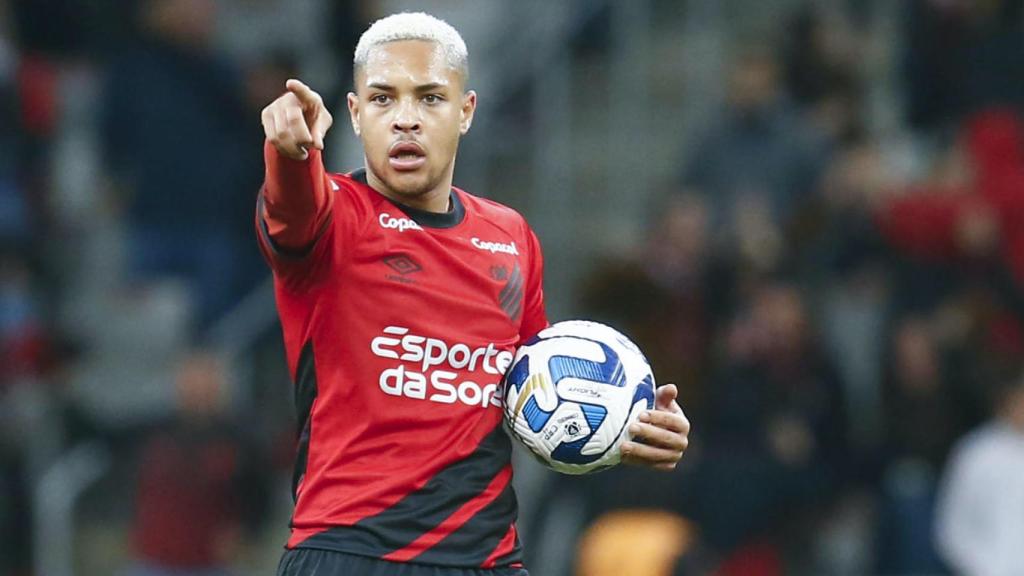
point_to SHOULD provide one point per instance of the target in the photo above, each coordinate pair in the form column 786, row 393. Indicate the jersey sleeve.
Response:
column 535, row 317
column 301, row 222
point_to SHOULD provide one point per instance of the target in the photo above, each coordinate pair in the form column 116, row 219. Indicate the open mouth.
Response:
column 406, row 156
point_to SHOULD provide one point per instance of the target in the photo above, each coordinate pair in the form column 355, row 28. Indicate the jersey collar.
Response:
column 424, row 218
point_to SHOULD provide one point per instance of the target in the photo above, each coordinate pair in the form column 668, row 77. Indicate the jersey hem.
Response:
column 514, row 562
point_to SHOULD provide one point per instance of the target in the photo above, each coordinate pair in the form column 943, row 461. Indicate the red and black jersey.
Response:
column 398, row 325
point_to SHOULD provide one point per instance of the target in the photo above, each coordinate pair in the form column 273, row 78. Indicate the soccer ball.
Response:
column 572, row 391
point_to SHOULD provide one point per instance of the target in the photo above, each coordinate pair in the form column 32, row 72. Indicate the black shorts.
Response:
column 315, row 562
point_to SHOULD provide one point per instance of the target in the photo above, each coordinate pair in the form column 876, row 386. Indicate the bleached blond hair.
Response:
column 414, row 26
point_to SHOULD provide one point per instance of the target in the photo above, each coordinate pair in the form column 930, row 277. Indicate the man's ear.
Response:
column 468, row 109
column 353, row 111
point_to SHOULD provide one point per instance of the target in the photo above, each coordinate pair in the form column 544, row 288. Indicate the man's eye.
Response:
column 381, row 99
column 431, row 98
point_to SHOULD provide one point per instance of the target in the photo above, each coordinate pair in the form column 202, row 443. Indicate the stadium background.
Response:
column 803, row 210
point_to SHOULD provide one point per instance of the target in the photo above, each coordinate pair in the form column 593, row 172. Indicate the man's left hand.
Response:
column 661, row 436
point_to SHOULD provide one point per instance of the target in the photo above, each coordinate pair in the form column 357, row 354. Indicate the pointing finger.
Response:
column 305, row 94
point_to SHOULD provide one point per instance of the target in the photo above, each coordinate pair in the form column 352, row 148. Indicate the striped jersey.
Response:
column 398, row 325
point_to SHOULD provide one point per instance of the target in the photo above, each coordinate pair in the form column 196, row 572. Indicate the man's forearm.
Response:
column 296, row 197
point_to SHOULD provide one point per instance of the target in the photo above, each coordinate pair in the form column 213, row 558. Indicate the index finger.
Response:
column 304, row 93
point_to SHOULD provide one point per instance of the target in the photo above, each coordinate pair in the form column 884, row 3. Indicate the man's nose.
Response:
column 406, row 118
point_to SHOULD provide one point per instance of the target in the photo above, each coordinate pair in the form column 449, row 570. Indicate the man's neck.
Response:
column 436, row 200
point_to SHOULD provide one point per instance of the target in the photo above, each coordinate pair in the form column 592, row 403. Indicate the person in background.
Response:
column 162, row 96
column 200, row 482
column 758, row 148
column 980, row 515
column 922, row 420
column 775, row 449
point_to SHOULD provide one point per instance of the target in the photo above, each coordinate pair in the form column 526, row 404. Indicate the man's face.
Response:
column 409, row 108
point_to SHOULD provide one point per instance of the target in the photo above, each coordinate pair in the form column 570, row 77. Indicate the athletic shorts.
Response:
column 315, row 562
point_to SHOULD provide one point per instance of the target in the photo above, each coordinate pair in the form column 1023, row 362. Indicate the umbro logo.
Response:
column 402, row 264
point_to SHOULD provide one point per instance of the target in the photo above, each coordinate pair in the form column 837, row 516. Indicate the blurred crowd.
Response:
column 129, row 161
column 841, row 303
column 840, row 309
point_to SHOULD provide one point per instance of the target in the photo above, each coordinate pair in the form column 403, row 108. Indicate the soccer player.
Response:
column 402, row 300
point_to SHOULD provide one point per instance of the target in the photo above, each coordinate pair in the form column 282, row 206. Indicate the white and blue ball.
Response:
column 571, row 393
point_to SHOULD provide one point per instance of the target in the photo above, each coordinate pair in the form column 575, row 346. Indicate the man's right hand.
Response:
column 297, row 121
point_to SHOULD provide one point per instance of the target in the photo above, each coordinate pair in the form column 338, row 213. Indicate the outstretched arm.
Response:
column 295, row 196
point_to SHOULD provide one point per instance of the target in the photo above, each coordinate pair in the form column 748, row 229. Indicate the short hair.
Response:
column 414, row 26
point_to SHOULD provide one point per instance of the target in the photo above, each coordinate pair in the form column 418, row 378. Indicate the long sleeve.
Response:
column 295, row 201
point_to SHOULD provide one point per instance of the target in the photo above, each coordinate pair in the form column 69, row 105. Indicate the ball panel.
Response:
column 608, row 371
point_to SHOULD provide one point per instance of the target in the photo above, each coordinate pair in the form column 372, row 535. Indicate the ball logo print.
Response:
column 572, row 392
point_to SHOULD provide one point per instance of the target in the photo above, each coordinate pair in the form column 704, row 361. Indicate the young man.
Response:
column 402, row 300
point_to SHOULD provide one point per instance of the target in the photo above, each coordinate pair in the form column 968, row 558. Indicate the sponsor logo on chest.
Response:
column 389, row 222
column 436, row 370
column 495, row 247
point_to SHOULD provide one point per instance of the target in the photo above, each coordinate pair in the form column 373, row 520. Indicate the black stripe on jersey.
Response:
column 474, row 541
column 305, row 394
column 514, row 283
column 511, row 296
column 513, row 312
column 421, row 511
column 277, row 249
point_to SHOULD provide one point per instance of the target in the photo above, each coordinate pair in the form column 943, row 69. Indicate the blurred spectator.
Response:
column 202, row 485
column 980, row 526
column 14, row 213
column 821, row 54
column 23, row 341
column 758, row 147
column 961, row 56
column 922, row 422
column 175, row 132
column 776, row 446
column 973, row 212
column 841, row 254
column 15, row 514
column 668, row 296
